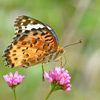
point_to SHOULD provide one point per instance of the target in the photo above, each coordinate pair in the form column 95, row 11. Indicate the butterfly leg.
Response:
column 65, row 61
column 43, row 73
column 61, row 61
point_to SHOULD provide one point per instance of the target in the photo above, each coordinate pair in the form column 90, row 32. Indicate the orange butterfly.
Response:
column 34, row 42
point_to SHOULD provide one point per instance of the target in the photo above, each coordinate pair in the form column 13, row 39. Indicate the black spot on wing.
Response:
column 33, row 29
column 42, row 34
column 18, row 35
column 14, row 50
column 12, row 65
column 47, row 36
column 19, row 31
column 35, row 34
column 49, row 39
column 27, row 31
column 15, row 58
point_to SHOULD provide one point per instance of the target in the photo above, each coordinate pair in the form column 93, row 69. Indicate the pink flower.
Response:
column 59, row 77
column 13, row 80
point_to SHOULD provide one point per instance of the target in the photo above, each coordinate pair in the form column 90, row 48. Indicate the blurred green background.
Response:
column 71, row 20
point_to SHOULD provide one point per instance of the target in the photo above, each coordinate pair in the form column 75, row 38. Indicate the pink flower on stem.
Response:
column 13, row 80
column 59, row 79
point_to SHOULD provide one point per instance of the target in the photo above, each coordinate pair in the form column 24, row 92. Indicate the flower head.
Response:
column 13, row 80
column 59, row 78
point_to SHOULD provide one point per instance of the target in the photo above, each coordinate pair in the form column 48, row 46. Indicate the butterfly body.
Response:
column 34, row 42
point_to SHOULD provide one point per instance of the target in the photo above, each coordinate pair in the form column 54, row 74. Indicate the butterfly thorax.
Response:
column 56, row 55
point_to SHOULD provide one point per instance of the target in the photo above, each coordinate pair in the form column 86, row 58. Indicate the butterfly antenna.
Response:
column 79, row 41
column 43, row 73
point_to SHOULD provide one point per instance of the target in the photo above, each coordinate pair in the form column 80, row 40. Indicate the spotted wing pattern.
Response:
column 34, row 42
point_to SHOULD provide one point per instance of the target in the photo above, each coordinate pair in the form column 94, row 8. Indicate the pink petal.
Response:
column 68, row 85
column 65, row 72
column 47, row 77
column 16, row 74
column 57, row 73
column 51, row 74
column 9, row 82
column 62, row 81
column 68, row 89
column 63, row 69
column 67, row 82
column 20, row 78
column 5, row 77
column 15, row 82
column 10, row 75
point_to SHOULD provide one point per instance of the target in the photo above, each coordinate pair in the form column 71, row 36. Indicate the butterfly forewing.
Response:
column 24, row 24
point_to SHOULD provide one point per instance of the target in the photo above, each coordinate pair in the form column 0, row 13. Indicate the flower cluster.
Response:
column 59, row 77
column 13, row 80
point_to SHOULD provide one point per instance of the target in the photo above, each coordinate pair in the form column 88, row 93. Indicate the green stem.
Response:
column 14, row 93
column 49, row 94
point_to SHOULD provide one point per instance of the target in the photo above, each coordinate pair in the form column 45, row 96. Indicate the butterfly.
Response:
column 34, row 42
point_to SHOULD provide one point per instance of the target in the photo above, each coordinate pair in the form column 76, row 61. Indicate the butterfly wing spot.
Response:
column 39, row 51
column 18, row 47
column 18, row 35
column 23, row 43
column 19, row 31
column 47, row 36
column 26, row 47
column 21, row 38
column 42, row 34
column 15, row 42
column 25, row 36
column 13, row 54
column 27, row 55
column 29, row 41
column 27, row 31
column 15, row 58
column 14, row 50
column 23, row 49
column 39, row 58
column 23, row 20
column 34, row 34
column 12, row 65
column 23, row 52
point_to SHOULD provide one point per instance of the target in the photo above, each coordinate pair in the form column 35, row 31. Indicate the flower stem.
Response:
column 14, row 93
column 48, row 94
